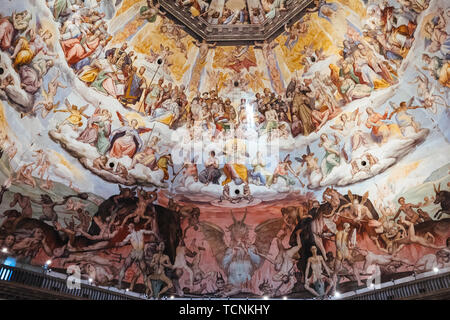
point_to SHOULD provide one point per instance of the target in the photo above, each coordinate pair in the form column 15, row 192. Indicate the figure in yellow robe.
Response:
column 235, row 169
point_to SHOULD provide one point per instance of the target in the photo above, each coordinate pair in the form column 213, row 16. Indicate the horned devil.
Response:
column 240, row 258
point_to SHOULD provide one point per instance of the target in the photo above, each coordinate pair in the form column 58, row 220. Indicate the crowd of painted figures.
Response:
column 27, row 48
column 342, row 220
column 250, row 12
column 367, row 62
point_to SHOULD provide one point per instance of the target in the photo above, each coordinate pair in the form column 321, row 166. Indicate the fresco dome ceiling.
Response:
column 235, row 22
column 241, row 134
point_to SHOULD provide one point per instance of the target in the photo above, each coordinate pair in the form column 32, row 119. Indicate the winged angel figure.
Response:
column 126, row 140
column 240, row 258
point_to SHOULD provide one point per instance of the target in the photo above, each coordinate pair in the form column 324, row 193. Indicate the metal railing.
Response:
column 408, row 290
column 42, row 281
column 237, row 32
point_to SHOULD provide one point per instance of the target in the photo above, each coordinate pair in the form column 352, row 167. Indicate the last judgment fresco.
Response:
column 167, row 165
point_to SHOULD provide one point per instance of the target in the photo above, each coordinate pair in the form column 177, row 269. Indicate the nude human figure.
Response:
column 285, row 260
column 316, row 263
column 84, row 219
column 317, row 228
column 48, row 185
column 69, row 230
column 98, row 269
column 144, row 200
column 180, row 260
column 125, row 193
column 312, row 165
column 343, row 252
column 23, row 175
column 407, row 208
column 136, row 239
column 24, row 203
column 203, row 48
column 48, row 207
column 72, row 205
column 42, row 162
column 99, row 274
column 379, row 259
column 199, row 274
column 440, row 259
column 160, row 261
column 334, row 198
column 47, row 104
column 11, row 150
column 28, row 248
column 106, row 229
column 427, row 240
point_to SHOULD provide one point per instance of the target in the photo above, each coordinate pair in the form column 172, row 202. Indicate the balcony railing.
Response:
column 232, row 34
column 17, row 283
column 422, row 286
column 24, row 279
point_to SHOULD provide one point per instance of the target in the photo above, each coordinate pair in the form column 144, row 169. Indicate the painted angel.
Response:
column 403, row 118
column 126, row 140
column 294, row 32
column 425, row 93
column 256, row 80
column 152, row 56
column 176, row 33
column 312, row 172
column 324, row 9
column 75, row 120
column 150, row 11
column 219, row 78
column 47, row 103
